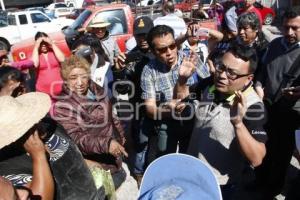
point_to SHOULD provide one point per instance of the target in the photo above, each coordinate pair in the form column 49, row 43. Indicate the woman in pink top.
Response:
column 47, row 57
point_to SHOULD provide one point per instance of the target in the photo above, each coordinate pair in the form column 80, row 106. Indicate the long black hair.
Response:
column 39, row 35
column 8, row 73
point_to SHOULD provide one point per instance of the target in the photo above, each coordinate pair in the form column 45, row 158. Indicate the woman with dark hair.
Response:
column 11, row 81
column 47, row 57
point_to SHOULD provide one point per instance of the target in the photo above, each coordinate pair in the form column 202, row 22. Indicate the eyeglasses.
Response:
column 294, row 28
column 220, row 67
column 165, row 49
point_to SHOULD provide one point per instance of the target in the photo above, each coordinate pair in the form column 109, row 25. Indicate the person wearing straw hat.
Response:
column 24, row 126
column 18, row 121
column 99, row 28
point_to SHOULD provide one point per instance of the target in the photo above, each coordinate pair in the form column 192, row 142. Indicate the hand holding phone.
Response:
column 238, row 108
column 201, row 33
column 290, row 89
column 132, row 57
column 291, row 92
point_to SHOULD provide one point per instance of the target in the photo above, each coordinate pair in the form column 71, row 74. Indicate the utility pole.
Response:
column 2, row 5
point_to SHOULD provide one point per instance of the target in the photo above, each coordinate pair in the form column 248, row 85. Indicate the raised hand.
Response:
column 238, row 109
column 34, row 145
column 39, row 41
column 47, row 40
column 187, row 67
column 120, row 61
column 292, row 92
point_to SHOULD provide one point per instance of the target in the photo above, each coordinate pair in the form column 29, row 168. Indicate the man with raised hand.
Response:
column 228, row 133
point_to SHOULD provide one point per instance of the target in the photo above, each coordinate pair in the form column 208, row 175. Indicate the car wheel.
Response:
column 4, row 45
column 268, row 19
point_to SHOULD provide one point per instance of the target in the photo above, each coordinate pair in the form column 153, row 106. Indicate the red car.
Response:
column 267, row 14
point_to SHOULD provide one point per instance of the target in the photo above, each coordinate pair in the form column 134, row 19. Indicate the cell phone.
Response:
column 289, row 89
column 131, row 57
column 201, row 33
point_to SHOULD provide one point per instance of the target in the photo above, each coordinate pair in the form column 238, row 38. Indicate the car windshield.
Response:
column 80, row 19
column 117, row 20
column 60, row 5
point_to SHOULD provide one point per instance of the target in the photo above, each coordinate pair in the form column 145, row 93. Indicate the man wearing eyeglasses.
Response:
column 228, row 133
column 279, row 86
column 158, row 79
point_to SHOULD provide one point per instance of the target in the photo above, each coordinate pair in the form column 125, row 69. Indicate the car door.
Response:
column 25, row 26
column 10, row 30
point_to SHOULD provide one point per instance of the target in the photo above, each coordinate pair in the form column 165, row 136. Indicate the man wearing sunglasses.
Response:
column 278, row 86
column 228, row 133
column 158, row 79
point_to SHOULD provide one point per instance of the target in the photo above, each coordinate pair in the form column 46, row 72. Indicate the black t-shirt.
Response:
column 254, row 119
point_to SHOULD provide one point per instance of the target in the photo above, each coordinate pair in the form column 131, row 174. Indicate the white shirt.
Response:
column 98, row 74
column 201, row 47
column 130, row 44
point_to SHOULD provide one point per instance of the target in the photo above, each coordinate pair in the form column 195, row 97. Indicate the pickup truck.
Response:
column 59, row 9
column 20, row 25
column 116, row 14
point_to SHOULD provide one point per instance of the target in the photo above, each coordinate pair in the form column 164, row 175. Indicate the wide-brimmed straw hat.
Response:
column 18, row 115
column 98, row 22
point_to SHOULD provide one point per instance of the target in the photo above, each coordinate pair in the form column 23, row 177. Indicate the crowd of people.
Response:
column 225, row 96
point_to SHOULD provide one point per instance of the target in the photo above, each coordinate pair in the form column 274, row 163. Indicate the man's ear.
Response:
column 249, row 79
column 153, row 51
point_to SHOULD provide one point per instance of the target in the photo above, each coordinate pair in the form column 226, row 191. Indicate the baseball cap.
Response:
column 179, row 177
column 142, row 25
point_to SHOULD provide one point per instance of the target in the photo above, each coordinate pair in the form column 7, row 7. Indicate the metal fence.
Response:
column 152, row 11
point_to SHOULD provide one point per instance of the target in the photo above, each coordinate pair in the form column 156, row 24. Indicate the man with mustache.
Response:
column 279, row 86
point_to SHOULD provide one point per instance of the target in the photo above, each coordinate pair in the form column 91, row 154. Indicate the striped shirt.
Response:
column 158, row 80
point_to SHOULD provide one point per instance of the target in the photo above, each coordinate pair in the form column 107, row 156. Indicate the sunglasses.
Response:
column 165, row 49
